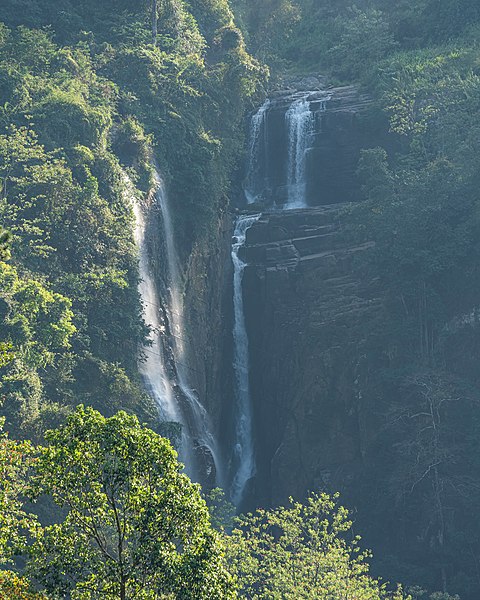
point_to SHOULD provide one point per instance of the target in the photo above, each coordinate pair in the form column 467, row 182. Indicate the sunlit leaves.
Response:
column 15, row 522
column 301, row 551
column 134, row 523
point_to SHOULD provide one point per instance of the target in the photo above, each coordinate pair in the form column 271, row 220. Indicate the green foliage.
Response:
column 134, row 525
column 418, row 593
column 421, row 209
column 364, row 37
column 66, row 111
column 222, row 512
column 44, row 318
column 130, row 525
column 345, row 39
column 271, row 25
column 5, row 239
column 301, row 551
column 131, row 143
column 64, row 202
column 36, row 326
column 211, row 15
column 15, row 459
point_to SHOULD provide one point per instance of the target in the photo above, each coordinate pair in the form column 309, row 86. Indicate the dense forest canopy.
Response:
column 95, row 94
column 85, row 94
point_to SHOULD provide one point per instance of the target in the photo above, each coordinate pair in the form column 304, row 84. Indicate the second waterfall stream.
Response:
column 300, row 125
column 244, row 453
column 165, row 369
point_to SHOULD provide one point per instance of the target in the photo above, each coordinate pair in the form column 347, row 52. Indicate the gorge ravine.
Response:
column 302, row 152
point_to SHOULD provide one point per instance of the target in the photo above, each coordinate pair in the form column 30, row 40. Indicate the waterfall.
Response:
column 154, row 369
column 195, row 417
column 300, row 122
column 257, row 142
column 244, row 457
column 165, row 370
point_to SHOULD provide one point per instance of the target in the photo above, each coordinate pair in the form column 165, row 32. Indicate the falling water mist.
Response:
column 154, row 369
column 300, row 122
column 165, row 369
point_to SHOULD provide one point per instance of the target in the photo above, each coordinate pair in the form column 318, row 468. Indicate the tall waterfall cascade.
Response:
column 244, row 453
column 165, row 369
column 292, row 277
column 154, row 369
column 276, row 178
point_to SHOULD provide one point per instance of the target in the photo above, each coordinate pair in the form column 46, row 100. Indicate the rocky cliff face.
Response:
column 346, row 394
column 307, row 309
column 308, row 312
column 207, row 300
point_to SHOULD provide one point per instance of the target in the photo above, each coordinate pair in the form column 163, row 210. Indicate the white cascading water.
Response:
column 244, row 454
column 196, row 420
column 154, row 369
column 258, row 131
column 300, row 123
column 166, row 381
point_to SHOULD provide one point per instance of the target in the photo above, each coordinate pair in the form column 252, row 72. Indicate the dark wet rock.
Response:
column 308, row 310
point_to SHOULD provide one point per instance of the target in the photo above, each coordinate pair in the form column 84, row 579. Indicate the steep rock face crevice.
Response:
column 207, row 300
column 308, row 312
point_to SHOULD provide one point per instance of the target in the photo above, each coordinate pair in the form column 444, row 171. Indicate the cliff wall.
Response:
column 308, row 313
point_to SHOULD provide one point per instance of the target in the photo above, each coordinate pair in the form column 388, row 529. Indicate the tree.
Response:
column 5, row 238
column 13, row 587
column 135, row 526
column 15, row 522
column 300, row 551
column 433, row 429
column 154, row 22
column 36, row 326
column 15, row 458
column 364, row 37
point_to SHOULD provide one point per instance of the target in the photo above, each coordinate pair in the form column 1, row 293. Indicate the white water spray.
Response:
column 165, row 368
column 244, row 454
column 154, row 369
column 195, row 419
column 300, row 122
